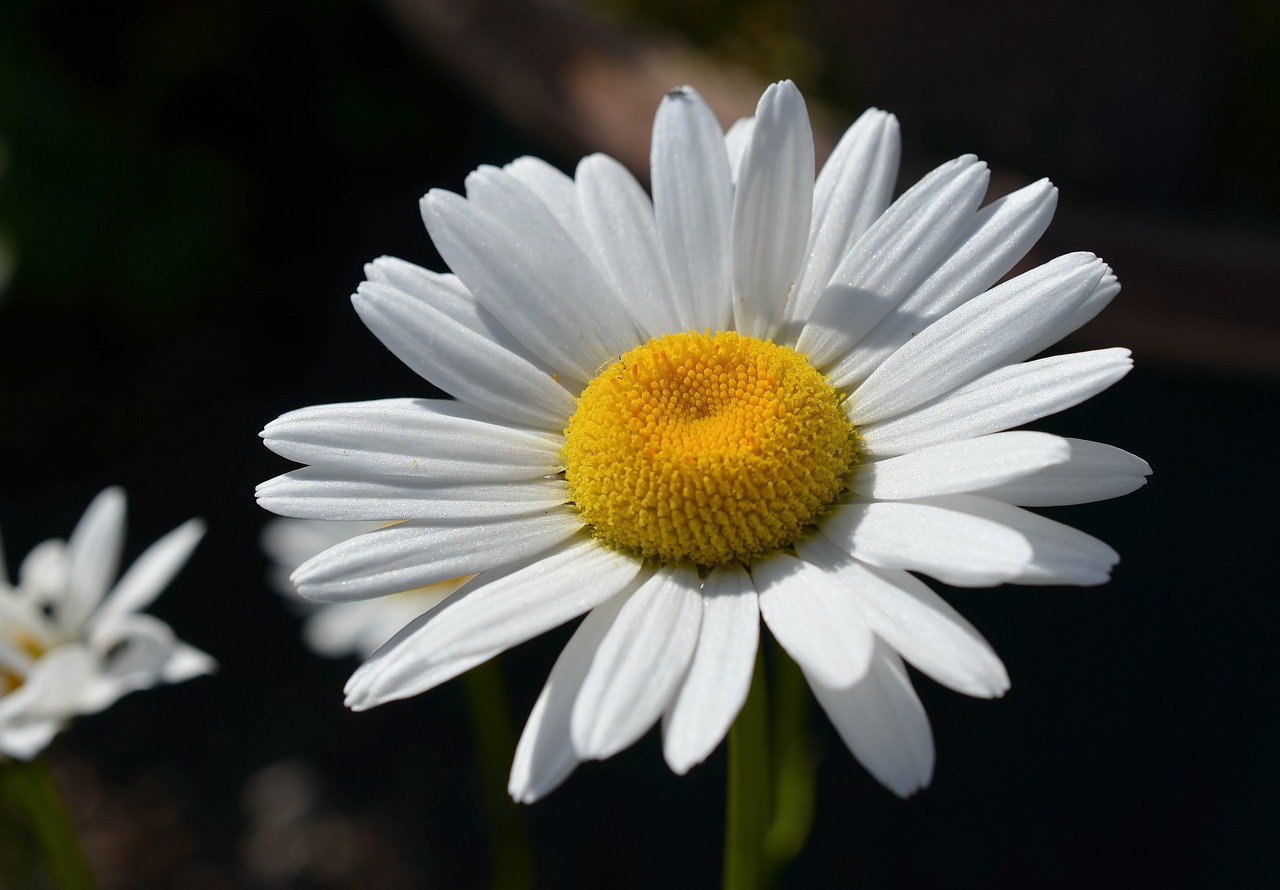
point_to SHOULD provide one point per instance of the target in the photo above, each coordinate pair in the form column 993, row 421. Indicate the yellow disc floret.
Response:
column 710, row 448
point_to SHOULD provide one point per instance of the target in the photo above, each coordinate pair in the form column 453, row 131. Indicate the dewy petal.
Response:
column 819, row 625
column 693, row 204
column 961, row 466
column 902, row 248
column 625, row 236
column 953, row 546
column 323, row 493
column 150, row 573
column 93, row 557
column 915, row 621
column 409, row 555
column 883, row 723
column 496, row 611
column 639, row 664
column 976, row 337
column 1093, row 472
column 851, row 192
column 999, row 235
column 1103, row 293
column 557, row 191
column 772, row 207
column 1061, row 554
column 422, row 438
column 1000, row 399
column 545, row 755
column 719, row 677
column 452, row 351
column 524, row 268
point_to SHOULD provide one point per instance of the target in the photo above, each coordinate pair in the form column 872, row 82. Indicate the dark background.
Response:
column 188, row 191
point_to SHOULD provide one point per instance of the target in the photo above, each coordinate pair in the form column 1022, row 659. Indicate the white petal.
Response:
column 954, row 547
column 693, row 204
column 323, row 493
column 719, row 676
column 423, row 438
column 360, row 628
column 93, row 557
column 545, row 755
column 639, row 664
column 998, row 236
column 915, row 621
column 141, row 651
column 736, row 140
column 408, row 555
column 884, row 724
column 1061, row 554
column 446, row 338
column 496, row 611
column 524, row 268
column 890, row 259
column 1003, row 398
column 1103, row 293
column 1093, row 472
column 978, row 336
column 151, row 573
column 620, row 218
column 557, row 192
column 819, row 625
column 772, row 206
column 955, row 467
column 852, row 190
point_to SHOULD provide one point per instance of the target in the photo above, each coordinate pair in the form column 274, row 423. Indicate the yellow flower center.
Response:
column 710, row 448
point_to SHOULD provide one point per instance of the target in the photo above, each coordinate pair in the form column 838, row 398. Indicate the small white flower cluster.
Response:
column 71, row 642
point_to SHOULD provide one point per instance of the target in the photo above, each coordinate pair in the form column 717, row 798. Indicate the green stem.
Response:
column 512, row 858
column 35, row 796
column 747, row 794
column 795, row 766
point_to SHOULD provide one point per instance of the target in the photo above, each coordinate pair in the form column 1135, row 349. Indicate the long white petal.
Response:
column 93, row 556
column 998, row 236
column 620, row 217
column 719, row 676
column 772, row 206
column 1061, row 554
column 496, row 611
column 978, row 336
column 915, row 621
column 953, row 546
column 454, row 353
column 693, row 203
column 1103, row 293
column 1093, row 472
column 408, row 555
column 902, row 248
column 852, row 190
column 883, row 723
column 422, row 438
column 639, row 664
column 524, row 268
column 558, row 193
column 961, row 466
column 1003, row 398
column 819, row 625
column 323, row 493
column 736, row 140
column 545, row 755
column 150, row 573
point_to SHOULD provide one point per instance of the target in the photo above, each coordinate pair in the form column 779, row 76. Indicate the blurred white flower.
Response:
column 71, row 643
column 755, row 396
column 339, row 629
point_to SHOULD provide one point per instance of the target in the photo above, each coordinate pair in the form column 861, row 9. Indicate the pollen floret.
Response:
column 709, row 448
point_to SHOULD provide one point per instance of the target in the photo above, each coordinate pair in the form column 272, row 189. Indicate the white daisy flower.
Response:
column 338, row 629
column 756, row 395
column 73, row 643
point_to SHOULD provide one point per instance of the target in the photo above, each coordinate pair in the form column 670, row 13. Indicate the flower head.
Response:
column 72, row 642
column 755, row 395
